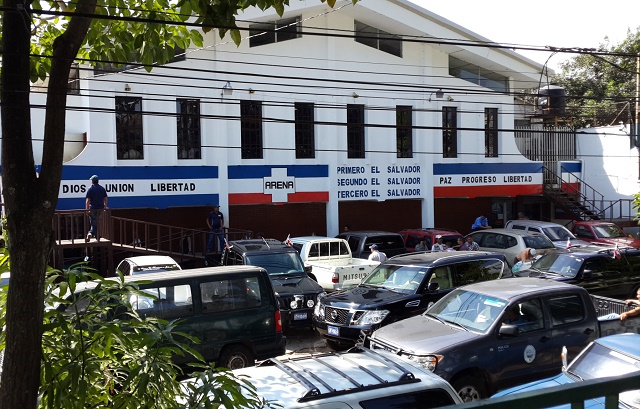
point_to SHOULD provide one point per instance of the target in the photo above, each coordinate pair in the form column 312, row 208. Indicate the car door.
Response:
column 529, row 355
column 571, row 326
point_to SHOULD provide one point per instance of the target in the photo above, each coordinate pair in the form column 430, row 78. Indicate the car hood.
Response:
column 423, row 335
column 621, row 241
column 541, row 384
column 562, row 244
column 364, row 297
column 285, row 284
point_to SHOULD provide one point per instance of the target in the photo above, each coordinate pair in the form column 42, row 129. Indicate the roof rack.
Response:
column 620, row 248
column 310, row 380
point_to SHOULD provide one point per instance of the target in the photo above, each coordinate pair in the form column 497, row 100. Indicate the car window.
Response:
column 385, row 242
column 584, row 232
column 633, row 258
column 433, row 398
column 405, row 279
column 558, row 233
column 565, row 309
column 472, row 310
column 479, row 270
column 533, row 319
column 608, row 231
column 538, row 242
column 493, row 241
column 354, row 243
column 479, row 238
column 164, row 302
column 558, row 263
column 442, row 276
column 123, row 267
column 229, row 295
column 517, row 227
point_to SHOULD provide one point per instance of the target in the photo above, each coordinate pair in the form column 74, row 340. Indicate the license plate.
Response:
column 331, row 330
column 299, row 316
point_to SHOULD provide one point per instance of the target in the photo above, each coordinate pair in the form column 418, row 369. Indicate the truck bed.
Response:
column 608, row 311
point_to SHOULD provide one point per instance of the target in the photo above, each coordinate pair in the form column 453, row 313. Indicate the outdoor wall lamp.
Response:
column 439, row 94
column 226, row 90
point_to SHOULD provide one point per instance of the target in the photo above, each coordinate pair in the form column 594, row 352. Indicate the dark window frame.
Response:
column 129, row 128
column 251, row 143
column 355, row 131
column 491, row 132
column 305, row 130
column 377, row 38
column 189, row 132
column 275, row 31
column 449, row 132
column 404, row 131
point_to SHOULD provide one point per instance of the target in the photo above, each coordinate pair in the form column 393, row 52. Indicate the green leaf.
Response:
column 235, row 36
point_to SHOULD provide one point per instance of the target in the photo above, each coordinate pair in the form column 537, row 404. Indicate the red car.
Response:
column 597, row 231
column 412, row 237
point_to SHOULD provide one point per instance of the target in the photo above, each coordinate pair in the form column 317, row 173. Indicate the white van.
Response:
column 147, row 264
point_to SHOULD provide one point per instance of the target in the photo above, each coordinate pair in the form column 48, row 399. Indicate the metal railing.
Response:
column 574, row 394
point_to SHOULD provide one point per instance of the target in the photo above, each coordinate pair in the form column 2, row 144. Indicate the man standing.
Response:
column 376, row 255
column 215, row 221
column 438, row 245
column 95, row 203
column 470, row 245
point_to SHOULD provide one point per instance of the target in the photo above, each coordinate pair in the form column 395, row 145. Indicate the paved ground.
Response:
column 304, row 341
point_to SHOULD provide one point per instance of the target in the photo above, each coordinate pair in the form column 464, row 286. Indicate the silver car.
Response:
column 511, row 242
column 557, row 233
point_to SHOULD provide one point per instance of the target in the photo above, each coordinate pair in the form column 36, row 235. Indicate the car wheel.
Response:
column 236, row 357
column 469, row 388
column 338, row 346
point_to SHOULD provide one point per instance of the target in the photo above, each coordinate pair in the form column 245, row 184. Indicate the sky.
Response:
column 559, row 23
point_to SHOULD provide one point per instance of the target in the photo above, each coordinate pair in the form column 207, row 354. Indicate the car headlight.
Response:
column 293, row 304
column 372, row 317
column 428, row 362
column 310, row 303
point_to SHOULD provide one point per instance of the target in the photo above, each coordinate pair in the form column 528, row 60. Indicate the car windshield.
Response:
column 563, row 264
column 277, row 263
column 604, row 231
column 558, row 233
column 476, row 312
column 599, row 362
column 538, row 242
column 404, row 279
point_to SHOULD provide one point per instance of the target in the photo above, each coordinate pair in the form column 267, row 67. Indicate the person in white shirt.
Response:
column 376, row 255
column 438, row 245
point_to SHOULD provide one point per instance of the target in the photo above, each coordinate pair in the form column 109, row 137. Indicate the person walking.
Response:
column 215, row 221
column 438, row 245
column 95, row 202
column 481, row 223
column 376, row 255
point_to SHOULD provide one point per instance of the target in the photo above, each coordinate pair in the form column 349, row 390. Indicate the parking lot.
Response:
column 304, row 341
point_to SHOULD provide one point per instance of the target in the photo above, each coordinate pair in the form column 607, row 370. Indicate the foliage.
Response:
column 97, row 355
column 601, row 89
column 636, row 205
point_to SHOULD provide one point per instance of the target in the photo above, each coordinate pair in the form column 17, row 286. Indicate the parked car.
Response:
column 614, row 355
column 466, row 337
column 331, row 261
column 296, row 290
column 231, row 310
column 599, row 272
column 147, row 264
column 358, row 379
column 389, row 243
column 557, row 233
column 412, row 237
column 511, row 242
column 400, row 287
column 597, row 231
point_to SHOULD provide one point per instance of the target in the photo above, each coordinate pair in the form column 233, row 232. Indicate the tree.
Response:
column 601, row 88
column 41, row 40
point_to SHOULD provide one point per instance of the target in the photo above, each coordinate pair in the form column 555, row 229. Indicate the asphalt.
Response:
column 304, row 341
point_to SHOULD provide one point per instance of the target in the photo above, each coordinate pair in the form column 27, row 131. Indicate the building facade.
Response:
column 379, row 115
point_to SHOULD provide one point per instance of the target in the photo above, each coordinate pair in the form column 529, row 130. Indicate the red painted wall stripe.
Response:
column 486, row 190
column 261, row 198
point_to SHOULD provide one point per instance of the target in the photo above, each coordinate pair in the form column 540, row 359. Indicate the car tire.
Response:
column 469, row 388
column 338, row 346
column 236, row 357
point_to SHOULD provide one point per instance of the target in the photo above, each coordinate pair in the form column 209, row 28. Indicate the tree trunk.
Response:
column 30, row 199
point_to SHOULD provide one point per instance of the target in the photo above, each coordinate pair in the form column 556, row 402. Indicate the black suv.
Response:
column 400, row 287
column 600, row 272
column 297, row 292
column 389, row 243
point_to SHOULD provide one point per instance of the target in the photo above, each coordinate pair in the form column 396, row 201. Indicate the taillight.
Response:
column 335, row 278
column 278, row 318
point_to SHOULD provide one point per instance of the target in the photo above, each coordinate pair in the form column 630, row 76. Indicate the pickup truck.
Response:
column 331, row 261
column 597, row 231
column 492, row 335
column 389, row 243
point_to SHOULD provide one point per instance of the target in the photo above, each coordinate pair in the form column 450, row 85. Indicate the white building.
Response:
column 408, row 124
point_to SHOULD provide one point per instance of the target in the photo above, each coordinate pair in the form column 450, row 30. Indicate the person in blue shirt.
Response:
column 481, row 223
column 95, row 203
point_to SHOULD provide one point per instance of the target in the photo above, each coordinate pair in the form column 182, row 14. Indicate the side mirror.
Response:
column 587, row 274
column 563, row 355
column 433, row 286
column 507, row 330
column 307, row 269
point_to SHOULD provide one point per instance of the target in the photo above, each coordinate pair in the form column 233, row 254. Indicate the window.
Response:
column 129, row 128
column 228, row 295
column 376, row 38
column 74, row 80
column 566, row 309
column 251, row 129
column 355, row 131
column 404, row 131
column 164, row 302
column 274, row 31
column 188, row 118
column 491, row 132
column 476, row 271
column 449, row 132
column 478, row 75
column 305, row 130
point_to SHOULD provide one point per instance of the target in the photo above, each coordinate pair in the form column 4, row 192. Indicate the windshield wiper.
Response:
column 451, row 323
column 445, row 322
column 437, row 318
column 574, row 374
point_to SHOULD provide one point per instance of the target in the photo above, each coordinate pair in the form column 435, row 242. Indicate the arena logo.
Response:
column 279, row 185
